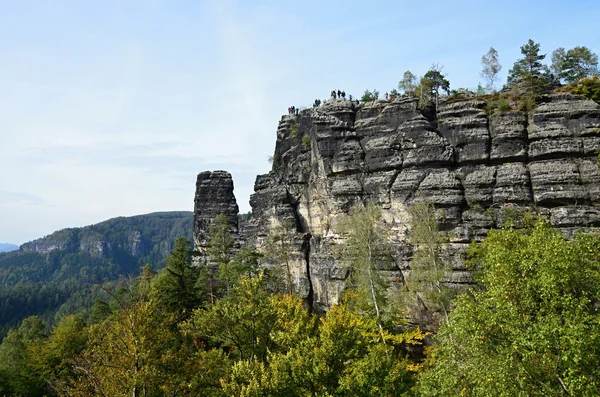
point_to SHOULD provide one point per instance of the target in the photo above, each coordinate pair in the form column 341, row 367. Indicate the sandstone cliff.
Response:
column 478, row 169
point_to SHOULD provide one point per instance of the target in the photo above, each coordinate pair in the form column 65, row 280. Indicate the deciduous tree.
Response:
column 574, row 64
column 428, row 267
column 534, row 329
column 491, row 68
column 366, row 246
column 408, row 84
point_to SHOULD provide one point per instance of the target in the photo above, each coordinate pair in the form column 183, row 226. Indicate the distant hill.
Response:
column 54, row 274
column 6, row 247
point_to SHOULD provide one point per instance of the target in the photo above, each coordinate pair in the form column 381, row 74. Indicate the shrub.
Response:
column 305, row 141
column 588, row 87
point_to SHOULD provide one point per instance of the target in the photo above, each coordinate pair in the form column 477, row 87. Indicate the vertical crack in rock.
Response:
column 310, row 297
column 471, row 165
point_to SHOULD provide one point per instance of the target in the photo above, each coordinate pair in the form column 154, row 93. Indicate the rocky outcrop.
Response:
column 479, row 170
column 214, row 196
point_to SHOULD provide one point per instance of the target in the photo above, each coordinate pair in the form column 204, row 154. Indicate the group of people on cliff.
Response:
column 335, row 94
column 293, row 110
column 339, row 94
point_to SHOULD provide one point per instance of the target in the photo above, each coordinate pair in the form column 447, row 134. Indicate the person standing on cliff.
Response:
column 344, row 94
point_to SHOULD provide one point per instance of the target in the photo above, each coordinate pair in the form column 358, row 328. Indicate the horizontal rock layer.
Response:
column 478, row 170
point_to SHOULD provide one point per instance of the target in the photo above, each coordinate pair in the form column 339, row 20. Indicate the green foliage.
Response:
column 16, row 375
column 220, row 243
column 244, row 218
column 133, row 353
column 574, row 64
column 278, row 250
column 276, row 161
column 305, row 141
column 491, row 68
column 366, row 247
column 344, row 356
column 60, row 282
column 246, row 321
column 588, row 87
column 428, row 268
column 294, row 129
column 408, row 84
column 244, row 264
column 369, row 96
column 176, row 288
column 52, row 358
column 534, row 329
column 529, row 70
column 434, row 81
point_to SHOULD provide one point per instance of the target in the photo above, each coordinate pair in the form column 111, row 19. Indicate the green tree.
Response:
column 574, row 64
column 244, row 264
column 369, row 96
column 346, row 356
column 15, row 359
column 529, row 70
column 177, row 286
column 428, row 267
column 491, row 68
column 408, row 84
column 220, row 244
column 100, row 311
column 134, row 353
column 558, row 59
column 52, row 358
column 534, row 329
column 279, row 247
column 366, row 247
column 249, row 321
column 588, row 87
column 435, row 81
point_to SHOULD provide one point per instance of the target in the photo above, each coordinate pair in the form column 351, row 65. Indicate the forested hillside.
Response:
column 55, row 274
column 532, row 330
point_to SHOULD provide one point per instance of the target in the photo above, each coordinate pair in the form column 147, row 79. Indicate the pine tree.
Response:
column 529, row 70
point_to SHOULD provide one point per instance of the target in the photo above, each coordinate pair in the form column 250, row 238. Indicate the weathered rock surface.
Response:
column 214, row 196
column 479, row 170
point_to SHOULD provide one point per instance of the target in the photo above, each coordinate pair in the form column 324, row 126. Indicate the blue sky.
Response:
column 111, row 108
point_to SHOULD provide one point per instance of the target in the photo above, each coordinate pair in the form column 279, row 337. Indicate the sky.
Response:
column 111, row 108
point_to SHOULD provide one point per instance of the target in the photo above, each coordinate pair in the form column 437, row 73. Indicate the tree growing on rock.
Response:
column 369, row 96
column 574, row 64
column 529, row 70
column 434, row 82
column 491, row 68
column 408, row 84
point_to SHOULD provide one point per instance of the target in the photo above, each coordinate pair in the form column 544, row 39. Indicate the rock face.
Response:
column 479, row 170
column 214, row 196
